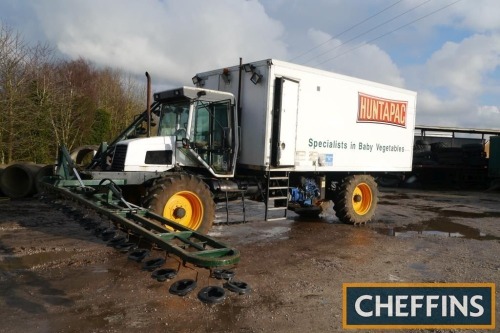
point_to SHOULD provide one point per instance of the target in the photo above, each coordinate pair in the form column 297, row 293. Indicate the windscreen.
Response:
column 174, row 119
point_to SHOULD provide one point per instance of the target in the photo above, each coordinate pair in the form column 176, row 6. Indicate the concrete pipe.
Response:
column 83, row 155
column 18, row 180
column 45, row 171
column 1, row 170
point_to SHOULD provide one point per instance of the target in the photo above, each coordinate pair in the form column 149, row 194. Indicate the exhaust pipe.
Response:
column 148, row 102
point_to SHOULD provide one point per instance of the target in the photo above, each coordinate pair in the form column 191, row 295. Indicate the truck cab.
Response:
column 196, row 130
column 202, row 123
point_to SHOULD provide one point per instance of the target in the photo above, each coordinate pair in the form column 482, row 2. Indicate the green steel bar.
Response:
column 207, row 251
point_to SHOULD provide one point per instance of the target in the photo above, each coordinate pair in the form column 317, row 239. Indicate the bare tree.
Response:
column 119, row 96
column 46, row 102
column 13, row 78
column 36, row 130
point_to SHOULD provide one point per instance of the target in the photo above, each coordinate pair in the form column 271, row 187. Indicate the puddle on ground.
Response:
column 456, row 213
column 394, row 196
column 250, row 233
column 436, row 227
column 459, row 211
column 389, row 203
column 14, row 262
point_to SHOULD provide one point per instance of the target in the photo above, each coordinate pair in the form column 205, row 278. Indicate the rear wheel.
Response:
column 357, row 199
column 184, row 199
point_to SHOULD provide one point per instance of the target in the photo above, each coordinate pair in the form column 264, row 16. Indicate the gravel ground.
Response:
column 56, row 276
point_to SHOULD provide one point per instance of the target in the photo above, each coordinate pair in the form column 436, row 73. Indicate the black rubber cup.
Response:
column 153, row 264
column 225, row 274
column 125, row 247
column 116, row 241
column 182, row 287
column 164, row 274
column 108, row 234
column 212, row 294
column 239, row 287
column 138, row 255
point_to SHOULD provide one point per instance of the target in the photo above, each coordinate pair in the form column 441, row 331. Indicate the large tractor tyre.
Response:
column 356, row 201
column 184, row 199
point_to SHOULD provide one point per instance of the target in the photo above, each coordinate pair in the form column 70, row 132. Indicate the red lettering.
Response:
column 381, row 110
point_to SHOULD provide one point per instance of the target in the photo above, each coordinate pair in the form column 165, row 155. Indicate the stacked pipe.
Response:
column 1, row 170
column 21, row 180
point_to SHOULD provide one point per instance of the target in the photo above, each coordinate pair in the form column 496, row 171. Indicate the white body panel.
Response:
column 336, row 127
column 137, row 149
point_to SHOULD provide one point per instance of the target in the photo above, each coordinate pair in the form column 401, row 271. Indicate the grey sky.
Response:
column 447, row 51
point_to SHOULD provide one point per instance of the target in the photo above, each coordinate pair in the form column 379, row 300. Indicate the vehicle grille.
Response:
column 119, row 158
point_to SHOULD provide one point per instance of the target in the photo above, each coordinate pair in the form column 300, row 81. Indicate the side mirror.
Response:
column 186, row 143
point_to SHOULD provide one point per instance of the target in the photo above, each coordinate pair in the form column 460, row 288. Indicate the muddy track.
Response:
column 56, row 276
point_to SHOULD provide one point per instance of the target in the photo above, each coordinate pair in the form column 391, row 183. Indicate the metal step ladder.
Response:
column 276, row 195
column 242, row 194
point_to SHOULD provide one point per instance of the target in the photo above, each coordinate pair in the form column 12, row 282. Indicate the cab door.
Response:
column 211, row 137
column 286, row 102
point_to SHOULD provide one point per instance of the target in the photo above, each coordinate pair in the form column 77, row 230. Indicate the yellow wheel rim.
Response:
column 185, row 208
column 362, row 199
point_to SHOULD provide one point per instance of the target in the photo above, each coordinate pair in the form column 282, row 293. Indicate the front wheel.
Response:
column 356, row 200
column 184, row 199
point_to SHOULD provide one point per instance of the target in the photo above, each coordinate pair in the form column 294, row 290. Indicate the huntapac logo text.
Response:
column 373, row 109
